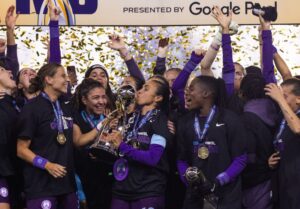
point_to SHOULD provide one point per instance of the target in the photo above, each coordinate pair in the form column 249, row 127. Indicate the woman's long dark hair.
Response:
column 83, row 90
column 162, row 89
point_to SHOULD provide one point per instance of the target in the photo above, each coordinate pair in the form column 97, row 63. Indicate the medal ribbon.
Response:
column 201, row 134
column 88, row 118
column 57, row 111
column 281, row 128
column 138, row 125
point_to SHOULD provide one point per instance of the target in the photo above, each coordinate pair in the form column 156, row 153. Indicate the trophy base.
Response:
column 104, row 153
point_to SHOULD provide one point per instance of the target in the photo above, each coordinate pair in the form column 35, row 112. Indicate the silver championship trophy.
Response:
column 196, row 177
column 102, row 149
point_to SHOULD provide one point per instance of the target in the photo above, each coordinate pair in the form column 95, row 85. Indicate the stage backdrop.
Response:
column 84, row 46
column 146, row 12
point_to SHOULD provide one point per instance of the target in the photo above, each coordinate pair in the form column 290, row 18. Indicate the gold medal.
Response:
column 61, row 138
column 203, row 152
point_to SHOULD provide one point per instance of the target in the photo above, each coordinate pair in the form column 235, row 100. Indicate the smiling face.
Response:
column 99, row 75
column 25, row 76
column 59, row 82
column 95, row 101
column 6, row 80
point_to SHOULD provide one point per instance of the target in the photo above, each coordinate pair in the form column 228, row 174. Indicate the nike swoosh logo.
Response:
column 220, row 124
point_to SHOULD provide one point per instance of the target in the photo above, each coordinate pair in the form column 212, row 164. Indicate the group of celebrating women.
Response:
column 192, row 143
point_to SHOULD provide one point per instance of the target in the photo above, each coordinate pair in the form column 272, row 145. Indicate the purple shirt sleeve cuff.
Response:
column 267, row 57
column 236, row 167
column 149, row 157
column 182, row 166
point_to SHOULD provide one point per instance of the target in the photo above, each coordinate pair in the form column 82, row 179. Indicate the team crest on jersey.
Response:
column 4, row 192
column 46, row 204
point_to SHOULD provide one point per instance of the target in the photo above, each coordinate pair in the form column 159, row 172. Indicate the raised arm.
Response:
column 117, row 43
column 281, row 65
column 160, row 67
column 54, row 52
column 289, row 114
column 11, row 58
column 228, row 70
column 183, row 77
column 267, row 51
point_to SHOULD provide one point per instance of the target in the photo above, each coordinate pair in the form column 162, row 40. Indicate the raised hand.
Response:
column 54, row 12
column 10, row 19
column 273, row 91
column 200, row 51
column 223, row 20
column 116, row 42
column 274, row 160
column 163, row 47
column 265, row 25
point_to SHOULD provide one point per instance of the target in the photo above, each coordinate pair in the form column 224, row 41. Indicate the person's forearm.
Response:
column 208, row 59
column 86, row 138
column 267, row 57
column 282, row 67
column 149, row 157
column 181, row 80
column 54, row 53
column 182, row 166
column 24, row 152
column 10, row 33
column 228, row 70
column 12, row 60
column 160, row 67
column 134, row 70
column 290, row 116
column 235, row 169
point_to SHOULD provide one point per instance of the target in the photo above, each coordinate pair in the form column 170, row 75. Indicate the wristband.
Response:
column 39, row 162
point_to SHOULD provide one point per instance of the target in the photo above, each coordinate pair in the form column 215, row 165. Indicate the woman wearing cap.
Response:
column 99, row 73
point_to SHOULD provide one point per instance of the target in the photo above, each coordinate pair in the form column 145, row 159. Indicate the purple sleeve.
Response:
column 182, row 166
column 55, row 54
column 181, row 80
column 134, row 70
column 228, row 66
column 236, row 167
column 149, row 157
column 160, row 67
column 267, row 57
column 11, row 60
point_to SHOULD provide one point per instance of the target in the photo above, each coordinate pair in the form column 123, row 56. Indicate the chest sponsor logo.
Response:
column 220, row 124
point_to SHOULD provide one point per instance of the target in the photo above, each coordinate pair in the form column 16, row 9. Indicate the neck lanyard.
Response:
column 143, row 121
column 57, row 111
column 201, row 134
column 281, row 128
column 14, row 103
column 88, row 118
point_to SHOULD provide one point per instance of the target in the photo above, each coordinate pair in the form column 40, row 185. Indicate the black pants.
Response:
column 96, row 181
